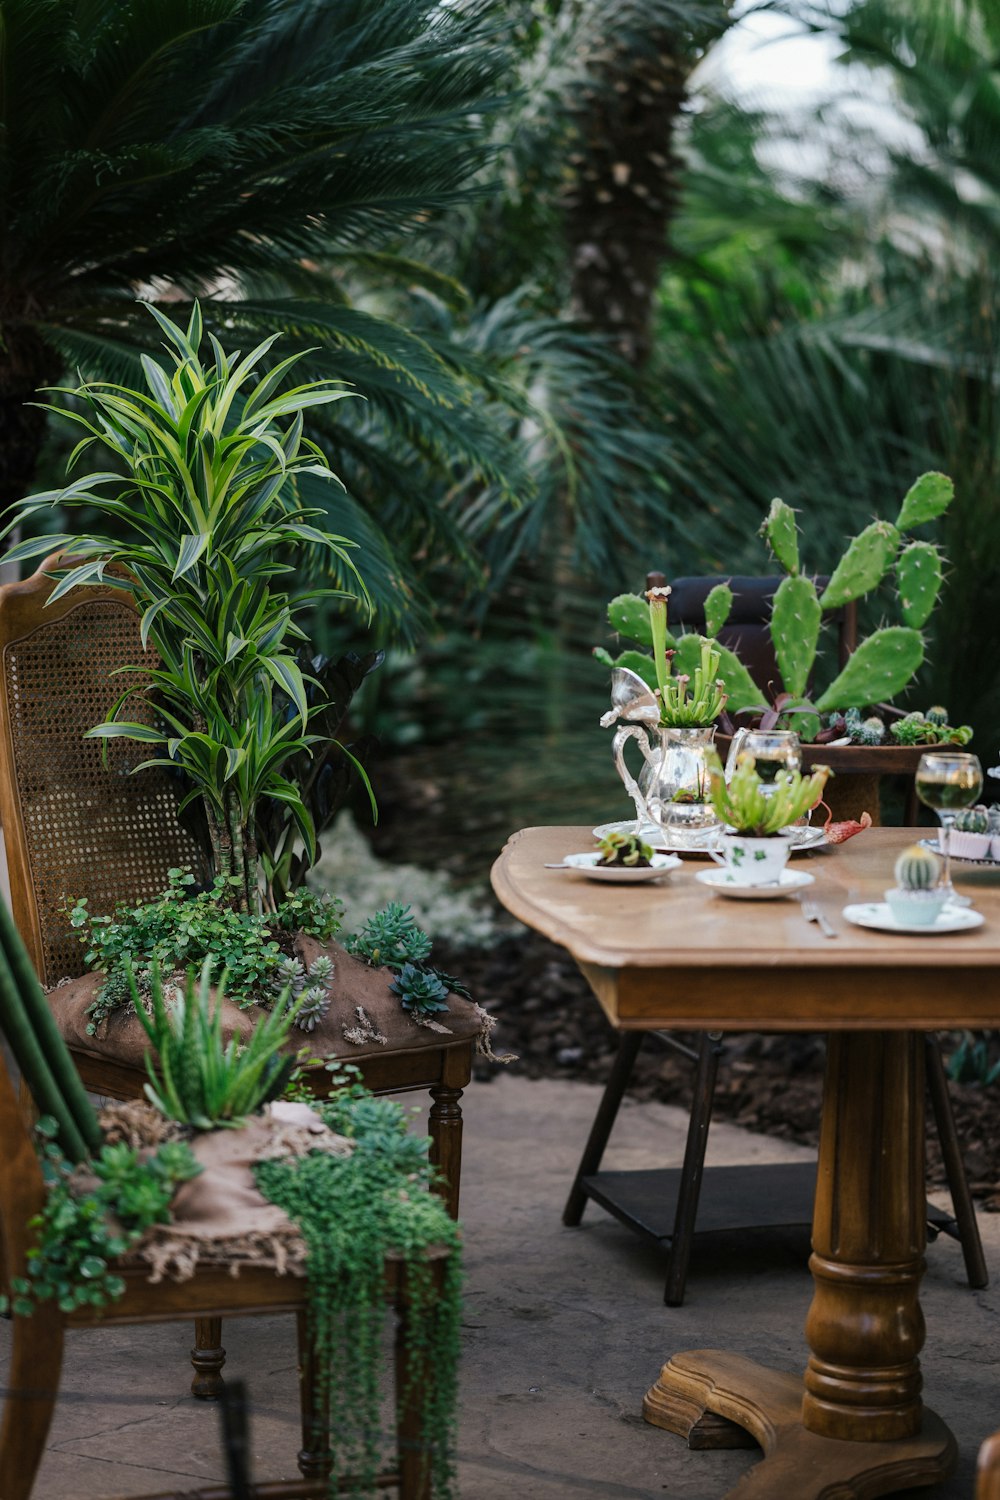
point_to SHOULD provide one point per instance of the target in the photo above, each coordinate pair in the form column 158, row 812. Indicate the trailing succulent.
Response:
column 80, row 1231
column 881, row 666
column 391, row 939
column 189, row 927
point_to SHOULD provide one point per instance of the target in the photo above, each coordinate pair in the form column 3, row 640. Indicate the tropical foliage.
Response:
column 207, row 525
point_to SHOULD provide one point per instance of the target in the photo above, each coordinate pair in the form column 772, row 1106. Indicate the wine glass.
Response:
column 773, row 751
column 948, row 780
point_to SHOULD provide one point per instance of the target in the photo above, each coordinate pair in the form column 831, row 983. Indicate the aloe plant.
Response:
column 195, row 1078
column 208, row 527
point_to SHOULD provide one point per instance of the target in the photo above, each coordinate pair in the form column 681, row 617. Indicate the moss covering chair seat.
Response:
column 77, row 822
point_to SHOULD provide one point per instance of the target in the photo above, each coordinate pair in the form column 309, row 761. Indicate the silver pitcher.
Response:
column 673, row 784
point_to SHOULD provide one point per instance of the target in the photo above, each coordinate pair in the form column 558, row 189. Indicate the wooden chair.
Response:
column 214, row 1292
column 988, row 1469
column 76, row 822
column 664, row 1206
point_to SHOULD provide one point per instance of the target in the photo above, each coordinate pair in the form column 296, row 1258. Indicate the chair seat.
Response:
column 341, row 1033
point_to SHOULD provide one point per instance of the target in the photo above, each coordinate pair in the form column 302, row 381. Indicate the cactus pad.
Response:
column 628, row 614
column 928, row 497
column 863, row 565
column 918, row 575
column 880, row 667
column 795, row 621
column 718, row 603
column 782, row 535
column 917, row 869
column 741, row 690
column 637, row 662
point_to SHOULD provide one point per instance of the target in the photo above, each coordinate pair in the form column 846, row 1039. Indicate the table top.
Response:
column 672, row 953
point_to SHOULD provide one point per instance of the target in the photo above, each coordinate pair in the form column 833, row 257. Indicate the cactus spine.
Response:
column 917, row 869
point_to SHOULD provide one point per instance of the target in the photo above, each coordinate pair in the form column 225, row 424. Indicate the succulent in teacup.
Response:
column 972, row 820
column 624, row 849
column 917, row 869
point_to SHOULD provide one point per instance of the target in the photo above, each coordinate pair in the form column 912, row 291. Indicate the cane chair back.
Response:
column 77, row 819
column 215, row 1291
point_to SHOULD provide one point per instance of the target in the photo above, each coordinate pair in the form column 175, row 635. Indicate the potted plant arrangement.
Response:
column 215, row 1165
column 854, row 708
column 682, row 708
column 755, row 815
column 918, row 896
column 208, row 532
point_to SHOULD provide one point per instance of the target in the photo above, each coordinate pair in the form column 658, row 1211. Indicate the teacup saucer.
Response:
column 724, row 883
column 949, row 919
column 587, row 864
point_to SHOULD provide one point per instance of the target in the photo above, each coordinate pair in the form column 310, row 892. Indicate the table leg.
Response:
column 858, row 1428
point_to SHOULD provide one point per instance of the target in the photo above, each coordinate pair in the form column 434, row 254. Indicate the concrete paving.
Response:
column 564, row 1330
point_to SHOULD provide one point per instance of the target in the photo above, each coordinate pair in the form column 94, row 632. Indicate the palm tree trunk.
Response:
column 626, row 185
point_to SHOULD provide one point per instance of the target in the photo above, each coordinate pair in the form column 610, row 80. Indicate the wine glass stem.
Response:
column 947, row 822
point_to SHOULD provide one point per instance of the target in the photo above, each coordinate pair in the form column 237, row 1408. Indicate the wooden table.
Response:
column 671, row 954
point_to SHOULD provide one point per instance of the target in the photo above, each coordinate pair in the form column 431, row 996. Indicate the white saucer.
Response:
column 725, row 884
column 877, row 914
column 801, row 839
column 587, row 864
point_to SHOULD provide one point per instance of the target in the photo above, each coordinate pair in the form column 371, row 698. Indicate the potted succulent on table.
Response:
column 756, row 815
column 854, row 707
column 208, row 532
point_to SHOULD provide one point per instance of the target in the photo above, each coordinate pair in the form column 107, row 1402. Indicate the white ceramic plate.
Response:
column 723, row 884
column 877, row 914
column 802, row 839
column 587, row 864
column 961, row 859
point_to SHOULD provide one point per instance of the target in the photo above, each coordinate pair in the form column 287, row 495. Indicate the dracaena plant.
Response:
column 208, row 528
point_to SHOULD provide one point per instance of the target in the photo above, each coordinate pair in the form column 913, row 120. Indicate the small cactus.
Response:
column 871, row 731
column 972, row 820
column 936, row 715
column 917, row 869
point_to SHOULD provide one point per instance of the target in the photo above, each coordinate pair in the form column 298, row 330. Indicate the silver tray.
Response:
column 802, row 839
column 961, row 859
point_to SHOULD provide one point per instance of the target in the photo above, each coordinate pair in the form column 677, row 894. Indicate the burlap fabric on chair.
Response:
column 365, row 1017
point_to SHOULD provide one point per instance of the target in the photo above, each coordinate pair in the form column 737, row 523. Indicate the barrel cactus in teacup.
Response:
column 970, row 834
column 917, row 898
column 917, row 869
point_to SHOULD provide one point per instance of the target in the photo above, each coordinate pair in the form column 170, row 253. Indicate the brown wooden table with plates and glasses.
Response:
column 671, row 953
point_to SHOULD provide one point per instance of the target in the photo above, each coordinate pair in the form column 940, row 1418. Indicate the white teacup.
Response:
column 751, row 861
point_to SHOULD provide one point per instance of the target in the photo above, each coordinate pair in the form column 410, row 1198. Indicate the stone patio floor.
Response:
column 564, row 1330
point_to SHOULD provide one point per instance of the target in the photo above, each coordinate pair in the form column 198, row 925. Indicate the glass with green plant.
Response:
column 947, row 781
column 208, row 526
column 672, row 792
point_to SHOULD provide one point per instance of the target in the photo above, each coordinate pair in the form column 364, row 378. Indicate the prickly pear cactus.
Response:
column 718, row 603
column 795, row 622
column 863, row 565
column 880, row 667
column 918, row 577
column 927, row 498
column 917, row 869
column 628, row 614
column 972, row 820
column 782, row 535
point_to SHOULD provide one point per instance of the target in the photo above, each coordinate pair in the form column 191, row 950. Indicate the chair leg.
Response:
column 33, row 1385
column 600, row 1131
column 315, row 1460
column 958, row 1183
column 207, row 1359
column 709, row 1048
column 444, row 1125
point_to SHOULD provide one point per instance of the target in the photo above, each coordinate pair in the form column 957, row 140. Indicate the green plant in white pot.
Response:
column 756, row 813
column 208, row 530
